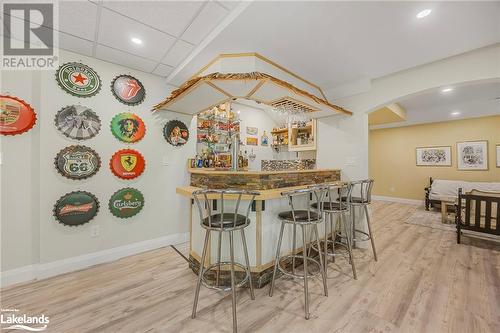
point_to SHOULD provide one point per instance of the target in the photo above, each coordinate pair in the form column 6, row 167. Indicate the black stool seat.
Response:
column 300, row 216
column 355, row 200
column 227, row 220
column 330, row 206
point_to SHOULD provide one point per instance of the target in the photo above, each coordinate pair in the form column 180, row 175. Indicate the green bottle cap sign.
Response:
column 128, row 127
column 76, row 208
column 126, row 202
column 78, row 79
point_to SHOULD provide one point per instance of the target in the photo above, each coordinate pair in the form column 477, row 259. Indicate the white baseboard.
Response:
column 42, row 271
column 399, row 200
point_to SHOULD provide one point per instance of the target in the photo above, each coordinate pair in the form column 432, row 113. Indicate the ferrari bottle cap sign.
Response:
column 76, row 208
column 176, row 133
column 128, row 127
column 78, row 79
column 77, row 162
column 126, row 202
column 128, row 90
column 127, row 164
column 16, row 116
column 77, row 122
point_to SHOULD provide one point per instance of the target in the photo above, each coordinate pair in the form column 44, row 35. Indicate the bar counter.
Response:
column 260, row 180
column 262, row 233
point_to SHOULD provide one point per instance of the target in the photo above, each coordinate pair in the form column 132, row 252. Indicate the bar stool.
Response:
column 364, row 188
column 302, row 218
column 223, row 222
column 334, row 212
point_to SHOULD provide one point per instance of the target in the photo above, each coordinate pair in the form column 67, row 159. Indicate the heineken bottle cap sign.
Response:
column 78, row 79
column 126, row 202
column 76, row 208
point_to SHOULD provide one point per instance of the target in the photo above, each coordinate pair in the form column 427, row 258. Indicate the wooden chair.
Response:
column 478, row 211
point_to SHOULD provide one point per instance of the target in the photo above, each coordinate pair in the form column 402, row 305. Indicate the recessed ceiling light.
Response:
column 445, row 90
column 136, row 40
column 455, row 113
column 424, row 13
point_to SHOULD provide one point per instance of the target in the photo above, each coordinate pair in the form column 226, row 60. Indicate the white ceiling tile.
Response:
column 78, row 18
column 169, row 16
column 208, row 19
column 178, row 53
column 163, row 70
column 116, row 31
column 124, row 59
column 75, row 44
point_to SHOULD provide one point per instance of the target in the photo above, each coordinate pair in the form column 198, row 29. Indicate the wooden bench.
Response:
column 478, row 211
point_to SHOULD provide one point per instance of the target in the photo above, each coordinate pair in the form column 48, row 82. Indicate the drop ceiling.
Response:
column 169, row 30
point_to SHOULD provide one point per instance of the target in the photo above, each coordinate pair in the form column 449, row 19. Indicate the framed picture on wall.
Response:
column 252, row 130
column 498, row 156
column 433, row 156
column 472, row 155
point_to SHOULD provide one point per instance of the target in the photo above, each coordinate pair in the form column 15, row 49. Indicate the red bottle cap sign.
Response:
column 127, row 164
column 16, row 116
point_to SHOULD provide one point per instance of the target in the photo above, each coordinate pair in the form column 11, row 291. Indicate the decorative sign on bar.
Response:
column 128, row 90
column 16, row 116
column 76, row 208
column 78, row 79
column 127, row 164
column 77, row 162
column 176, row 133
column 77, row 122
column 126, row 202
column 128, row 127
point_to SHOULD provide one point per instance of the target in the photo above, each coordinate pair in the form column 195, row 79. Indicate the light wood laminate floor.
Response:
column 423, row 282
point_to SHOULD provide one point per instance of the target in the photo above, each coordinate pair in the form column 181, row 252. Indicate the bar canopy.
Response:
column 248, row 76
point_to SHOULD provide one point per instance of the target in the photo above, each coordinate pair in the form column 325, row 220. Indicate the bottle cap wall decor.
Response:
column 176, row 133
column 126, row 202
column 77, row 122
column 128, row 90
column 128, row 127
column 76, row 208
column 127, row 164
column 77, row 162
column 78, row 79
column 16, row 116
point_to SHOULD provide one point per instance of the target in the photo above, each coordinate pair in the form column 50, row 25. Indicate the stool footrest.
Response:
column 363, row 239
column 328, row 251
column 212, row 270
column 289, row 258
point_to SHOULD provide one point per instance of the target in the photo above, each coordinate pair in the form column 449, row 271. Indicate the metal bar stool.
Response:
column 334, row 211
column 223, row 222
column 303, row 218
column 364, row 188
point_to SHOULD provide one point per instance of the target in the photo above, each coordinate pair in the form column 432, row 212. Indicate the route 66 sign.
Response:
column 77, row 162
column 128, row 90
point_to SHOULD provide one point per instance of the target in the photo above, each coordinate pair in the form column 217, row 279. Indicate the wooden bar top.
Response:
column 211, row 171
column 187, row 191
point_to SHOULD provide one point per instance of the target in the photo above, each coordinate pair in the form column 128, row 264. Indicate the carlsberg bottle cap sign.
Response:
column 126, row 202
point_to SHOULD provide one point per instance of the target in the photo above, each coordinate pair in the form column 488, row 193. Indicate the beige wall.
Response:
column 392, row 161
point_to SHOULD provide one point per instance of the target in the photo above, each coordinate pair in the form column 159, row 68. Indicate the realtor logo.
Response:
column 29, row 38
